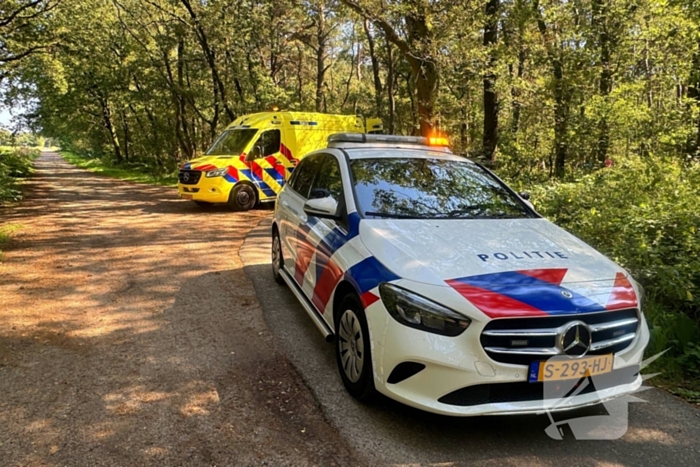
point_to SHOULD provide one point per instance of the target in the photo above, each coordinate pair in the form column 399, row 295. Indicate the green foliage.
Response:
column 6, row 233
column 131, row 172
column 645, row 216
column 15, row 163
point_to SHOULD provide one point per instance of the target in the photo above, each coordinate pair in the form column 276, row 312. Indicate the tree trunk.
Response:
column 515, row 91
column 321, row 38
column 111, row 131
column 219, row 88
column 490, row 141
column 390, row 88
column 375, row 68
column 600, row 19
column 561, row 119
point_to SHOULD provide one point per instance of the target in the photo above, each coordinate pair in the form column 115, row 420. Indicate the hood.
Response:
column 529, row 265
column 209, row 163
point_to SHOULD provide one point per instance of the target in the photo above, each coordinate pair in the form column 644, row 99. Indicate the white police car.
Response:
column 444, row 289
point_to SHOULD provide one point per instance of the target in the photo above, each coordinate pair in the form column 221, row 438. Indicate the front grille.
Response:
column 521, row 341
column 523, row 392
column 189, row 177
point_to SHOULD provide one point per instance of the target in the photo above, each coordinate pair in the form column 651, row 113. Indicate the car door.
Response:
column 319, row 238
column 293, row 220
column 267, row 171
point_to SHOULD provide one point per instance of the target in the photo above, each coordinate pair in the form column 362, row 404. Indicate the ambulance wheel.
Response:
column 203, row 204
column 352, row 349
column 242, row 197
column 277, row 258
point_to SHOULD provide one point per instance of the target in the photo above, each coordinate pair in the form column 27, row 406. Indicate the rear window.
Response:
column 232, row 142
column 431, row 189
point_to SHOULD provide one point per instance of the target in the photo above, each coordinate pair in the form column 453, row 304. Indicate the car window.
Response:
column 305, row 173
column 431, row 188
column 267, row 144
column 232, row 142
column 328, row 182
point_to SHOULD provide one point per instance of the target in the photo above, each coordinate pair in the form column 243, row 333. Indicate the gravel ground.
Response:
column 130, row 335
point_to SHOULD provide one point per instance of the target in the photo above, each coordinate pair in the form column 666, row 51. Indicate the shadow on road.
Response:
column 130, row 335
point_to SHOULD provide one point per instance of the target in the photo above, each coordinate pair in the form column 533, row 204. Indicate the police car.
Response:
column 444, row 289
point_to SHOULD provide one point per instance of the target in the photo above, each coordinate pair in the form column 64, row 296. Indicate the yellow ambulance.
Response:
column 250, row 161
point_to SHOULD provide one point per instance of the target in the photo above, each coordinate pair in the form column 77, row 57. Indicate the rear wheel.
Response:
column 277, row 259
column 242, row 197
column 353, row 349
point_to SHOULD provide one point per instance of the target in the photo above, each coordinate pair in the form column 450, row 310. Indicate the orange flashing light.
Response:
column 438, row 141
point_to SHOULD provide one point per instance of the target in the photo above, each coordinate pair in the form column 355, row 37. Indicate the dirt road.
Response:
column 130, row 335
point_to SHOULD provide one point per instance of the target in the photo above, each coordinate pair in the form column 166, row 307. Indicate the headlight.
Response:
column 217, row 173
column 418, row 312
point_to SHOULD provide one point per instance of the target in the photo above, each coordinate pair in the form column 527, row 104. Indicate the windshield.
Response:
column 414, row 188
column 232, row 142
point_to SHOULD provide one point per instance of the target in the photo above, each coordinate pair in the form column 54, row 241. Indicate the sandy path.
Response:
column 130, row 335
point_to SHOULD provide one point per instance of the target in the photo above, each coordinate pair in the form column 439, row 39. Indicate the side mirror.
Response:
column 524, row 195
column 255, row 153
column 323, row 208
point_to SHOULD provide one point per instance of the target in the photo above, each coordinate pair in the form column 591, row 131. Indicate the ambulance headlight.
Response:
column 217, row 173
column 418, row 312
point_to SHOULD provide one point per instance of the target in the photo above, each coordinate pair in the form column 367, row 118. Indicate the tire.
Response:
column 352, row 349
column 277, row 258
column 203, row 204
column 243, row 197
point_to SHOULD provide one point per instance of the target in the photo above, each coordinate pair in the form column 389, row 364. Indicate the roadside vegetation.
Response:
column 135, row 172
column 593, row 106
column 15, row 165
column 645, row 215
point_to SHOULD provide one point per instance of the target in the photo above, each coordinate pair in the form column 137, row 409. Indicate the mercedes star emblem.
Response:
column 185, row 176
column 567, row 294
column 575, row 339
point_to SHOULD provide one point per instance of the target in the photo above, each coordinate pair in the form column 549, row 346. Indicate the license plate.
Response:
column 559, row 369
column 186, row 196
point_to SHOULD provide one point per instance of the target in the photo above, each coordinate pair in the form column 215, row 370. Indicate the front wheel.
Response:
column 243, row 197
column 352, row 349
column 277, row 259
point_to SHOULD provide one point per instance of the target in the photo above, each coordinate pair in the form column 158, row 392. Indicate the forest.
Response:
column 591, row 105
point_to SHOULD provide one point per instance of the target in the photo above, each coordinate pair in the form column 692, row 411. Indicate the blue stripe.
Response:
column 369, row 273
column 275, row 174
column 539, row 294
column 229, row 178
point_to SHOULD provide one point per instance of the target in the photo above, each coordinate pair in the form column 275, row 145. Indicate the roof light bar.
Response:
column 387, row 139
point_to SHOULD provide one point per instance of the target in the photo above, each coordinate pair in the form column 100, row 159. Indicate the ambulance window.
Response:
column 232, row 142
column 328, row 181
column 304, row 175
column 267, row 144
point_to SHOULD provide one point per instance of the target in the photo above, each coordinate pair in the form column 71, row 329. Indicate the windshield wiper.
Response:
column 391, row 215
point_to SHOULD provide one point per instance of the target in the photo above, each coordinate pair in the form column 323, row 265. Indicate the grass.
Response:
column 132, row 174
column 6, row 233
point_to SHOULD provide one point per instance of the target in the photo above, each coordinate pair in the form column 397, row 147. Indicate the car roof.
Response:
column 397, row 152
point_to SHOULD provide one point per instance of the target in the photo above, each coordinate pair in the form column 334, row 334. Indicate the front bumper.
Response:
column 455, row 363
column 210, row 190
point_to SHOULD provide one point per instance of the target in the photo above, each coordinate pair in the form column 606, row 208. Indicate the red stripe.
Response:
column 494, row 304
column 553, row 276
column 232, row 171
column 368, row 298
column 325, row 284
column 622, row 295
column 205, row 167
column 304, row 253
column 257, row 170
